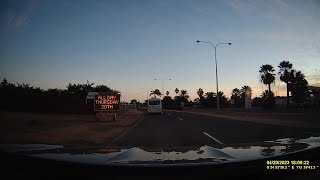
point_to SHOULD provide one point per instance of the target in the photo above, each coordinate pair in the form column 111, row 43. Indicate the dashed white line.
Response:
column 212, row 138
column 169, row 114
column 180, row 119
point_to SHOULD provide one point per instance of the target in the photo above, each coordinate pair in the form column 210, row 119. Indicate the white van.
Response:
column 154, row 105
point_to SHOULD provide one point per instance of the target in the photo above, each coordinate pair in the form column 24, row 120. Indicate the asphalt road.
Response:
column 179, row 129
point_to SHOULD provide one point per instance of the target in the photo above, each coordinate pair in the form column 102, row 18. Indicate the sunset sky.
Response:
column 127, row 44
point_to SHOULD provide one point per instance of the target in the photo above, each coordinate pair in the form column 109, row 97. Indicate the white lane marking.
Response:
column 212, row 137
column 169, row 114
column 180, row 119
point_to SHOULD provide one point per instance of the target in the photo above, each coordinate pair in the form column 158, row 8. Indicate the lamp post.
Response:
column 162, row 83
column 215, row 57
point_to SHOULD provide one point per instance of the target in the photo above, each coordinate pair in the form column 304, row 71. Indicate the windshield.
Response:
column 154, row 102
column 222, row 78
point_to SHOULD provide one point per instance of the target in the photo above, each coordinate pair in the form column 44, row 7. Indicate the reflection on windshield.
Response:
column 204, row 154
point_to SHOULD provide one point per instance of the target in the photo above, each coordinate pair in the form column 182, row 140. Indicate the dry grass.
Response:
column 68, row 130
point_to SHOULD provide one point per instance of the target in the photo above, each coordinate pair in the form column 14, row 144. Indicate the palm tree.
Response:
column 236, row 96
column 167, row 93
column 243, row 90
column 176, row 91
column 268, row 99
column 298, row 85
column 183, row 93
column 200, row 93
column 88, row 87
column 156, row 92
column 235, row 92
column 285, row 68
column 267, row 75
column 210, row 95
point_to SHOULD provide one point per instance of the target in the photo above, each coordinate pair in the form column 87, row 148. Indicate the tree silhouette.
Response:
column 298, row 85
column 200, row 94
column 88, row 87
column 167, row 102
column 285, row 68
column 176, row 91
column 155, row 92
column 34, row 99
column 268, row 99
column 222, row 98
column 167, row 93
column 210, row 99
column 236, row 96
column 102, row 88
column 184, row 94
column 266, row 75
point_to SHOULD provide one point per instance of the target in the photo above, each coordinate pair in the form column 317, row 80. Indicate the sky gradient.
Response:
column 127, row 44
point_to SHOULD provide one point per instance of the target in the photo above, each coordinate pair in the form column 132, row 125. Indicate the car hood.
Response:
column 165, row 156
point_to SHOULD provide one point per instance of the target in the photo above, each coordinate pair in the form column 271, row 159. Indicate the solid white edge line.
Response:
column 212, row 137
column 180, row 119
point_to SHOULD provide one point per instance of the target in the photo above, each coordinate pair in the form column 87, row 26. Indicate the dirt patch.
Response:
column 68, row 130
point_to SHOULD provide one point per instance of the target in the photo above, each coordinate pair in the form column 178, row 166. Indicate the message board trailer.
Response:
column 107, row 104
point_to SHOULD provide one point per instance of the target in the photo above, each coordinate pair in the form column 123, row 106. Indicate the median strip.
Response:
column 212, row 138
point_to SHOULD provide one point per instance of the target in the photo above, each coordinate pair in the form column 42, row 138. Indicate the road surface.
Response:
column 180, row 129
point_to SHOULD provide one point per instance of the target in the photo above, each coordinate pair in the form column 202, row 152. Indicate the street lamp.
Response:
column 162, row 83
column 215, row 57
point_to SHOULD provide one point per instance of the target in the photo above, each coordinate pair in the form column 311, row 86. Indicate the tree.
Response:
column 184, row 94
column 222, row 99
column 243, row 93
column 102, row 88
column 4, row 83
column 268, row 99
column 155, row 92
column 244, row 88
column 266, row 75
column 88, row 87
column 183, row 97
column 285, row 68
column 73, row 88
column 167, row 102
column 210, row 99
column 200, row 94
column 298, row 86
column 236, row 96
column 235, row 92
column 176, row 91
column 167, row 93
column 133, row 101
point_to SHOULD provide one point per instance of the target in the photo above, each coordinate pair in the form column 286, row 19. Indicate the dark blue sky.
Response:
column 126, row 44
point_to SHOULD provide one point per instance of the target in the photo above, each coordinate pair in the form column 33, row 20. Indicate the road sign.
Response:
column 107, row 102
